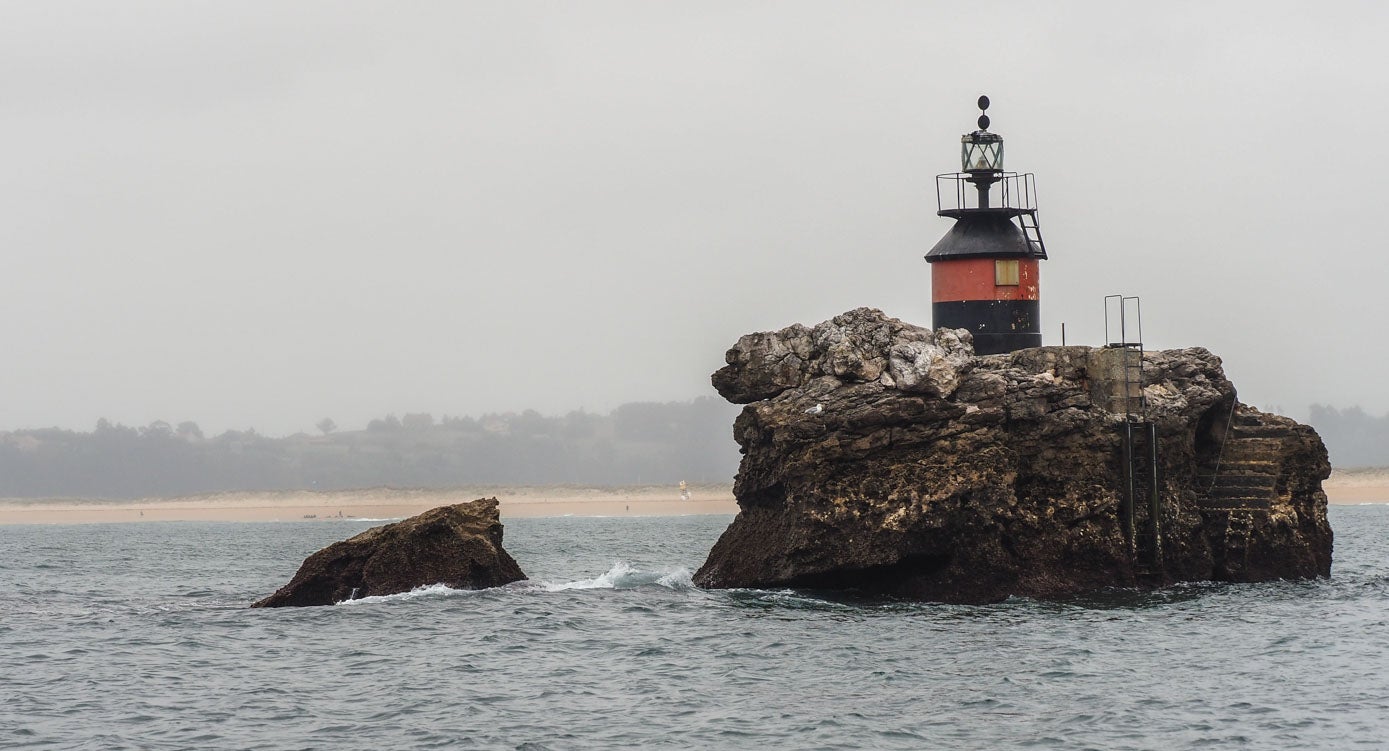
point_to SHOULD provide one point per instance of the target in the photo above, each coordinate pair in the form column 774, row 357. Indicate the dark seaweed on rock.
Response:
column 885, row 457
column 459, row 546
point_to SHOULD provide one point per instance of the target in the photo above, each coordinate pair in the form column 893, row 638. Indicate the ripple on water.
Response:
column 138, row 636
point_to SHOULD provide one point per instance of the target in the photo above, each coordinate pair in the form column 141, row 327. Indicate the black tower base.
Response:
column 997, row 325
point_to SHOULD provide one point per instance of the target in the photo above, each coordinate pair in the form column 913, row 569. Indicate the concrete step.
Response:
column 1241, row 470
column 1230, row 465
column 1264, row 466
column 1236, row 497
column 1238, row 517
column 1253, row 443
column 1247, row 467
column 1237, row 455
column 1233, row 504
column 1250, row 482
column 1261, row 431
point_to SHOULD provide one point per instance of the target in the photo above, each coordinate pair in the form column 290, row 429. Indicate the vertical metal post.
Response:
column 1126, row 509
column 1138, row 310
column 1154, row 501
column 1123, row 323
column 1107, row 339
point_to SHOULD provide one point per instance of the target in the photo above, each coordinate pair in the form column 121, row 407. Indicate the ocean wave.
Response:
column 623, row 576
column 620, row 576
column 429, row 591
column 680, row 578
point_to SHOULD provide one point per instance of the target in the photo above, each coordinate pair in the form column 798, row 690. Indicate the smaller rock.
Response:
column 459, row 546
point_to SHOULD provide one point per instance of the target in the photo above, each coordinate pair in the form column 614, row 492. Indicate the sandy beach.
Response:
column 373, row 503
column 1358, row 485
column 1350, row 486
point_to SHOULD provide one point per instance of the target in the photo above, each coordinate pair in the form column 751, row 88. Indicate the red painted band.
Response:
column 973, row 279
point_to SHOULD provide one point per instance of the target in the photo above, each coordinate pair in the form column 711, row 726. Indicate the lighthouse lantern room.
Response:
column 984, row 272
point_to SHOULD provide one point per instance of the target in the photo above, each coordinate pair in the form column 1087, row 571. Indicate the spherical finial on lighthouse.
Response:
column 981, row 151
column 984, row 272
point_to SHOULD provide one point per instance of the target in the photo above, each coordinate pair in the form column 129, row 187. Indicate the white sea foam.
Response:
column 680, row 578
column 609, row 579
column 623, row 576
column 620, row 576
column 427, row 591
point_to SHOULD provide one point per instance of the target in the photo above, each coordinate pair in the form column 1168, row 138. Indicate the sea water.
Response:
column 137, row 636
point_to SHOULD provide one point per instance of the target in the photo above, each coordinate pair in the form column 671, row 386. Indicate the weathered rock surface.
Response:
column 886, row 457
column 459, row 546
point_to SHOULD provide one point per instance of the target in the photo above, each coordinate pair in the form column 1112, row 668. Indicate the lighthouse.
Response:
column 984, row 272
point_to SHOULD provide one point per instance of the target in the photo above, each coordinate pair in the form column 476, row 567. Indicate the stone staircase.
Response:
column 1248, row 471
column 1241, row 491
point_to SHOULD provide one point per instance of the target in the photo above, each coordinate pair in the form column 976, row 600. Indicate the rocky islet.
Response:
column 886, row 457
column 459, row 545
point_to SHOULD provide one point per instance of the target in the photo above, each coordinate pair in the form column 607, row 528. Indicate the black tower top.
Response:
column 983, row 221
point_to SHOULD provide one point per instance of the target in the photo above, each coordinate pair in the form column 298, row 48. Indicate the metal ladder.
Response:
column 1140, row 440
column 1032, row 231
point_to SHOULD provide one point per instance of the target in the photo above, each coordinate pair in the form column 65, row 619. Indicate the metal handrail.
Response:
column 1124, row 301
column 1015, row 191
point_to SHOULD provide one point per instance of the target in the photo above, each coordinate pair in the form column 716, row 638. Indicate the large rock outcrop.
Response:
column 889, row 458
column 459, row 546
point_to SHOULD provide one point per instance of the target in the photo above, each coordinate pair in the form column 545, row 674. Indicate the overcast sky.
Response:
column 262, row 214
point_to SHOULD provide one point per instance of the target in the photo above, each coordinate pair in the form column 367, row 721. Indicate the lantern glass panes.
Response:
column 981, row 150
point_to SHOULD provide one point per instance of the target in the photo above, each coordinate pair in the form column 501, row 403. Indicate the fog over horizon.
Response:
column 265, row 214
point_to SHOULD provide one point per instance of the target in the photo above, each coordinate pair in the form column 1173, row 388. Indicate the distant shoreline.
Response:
column 1344, row 487
column 377, row 504
column 1358, row 485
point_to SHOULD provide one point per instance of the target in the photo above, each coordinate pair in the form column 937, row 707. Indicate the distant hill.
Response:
column 1353, row 438
column 637, row 443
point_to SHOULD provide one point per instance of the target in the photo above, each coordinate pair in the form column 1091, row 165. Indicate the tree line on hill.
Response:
column 636, row 443
column 1352, row 437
